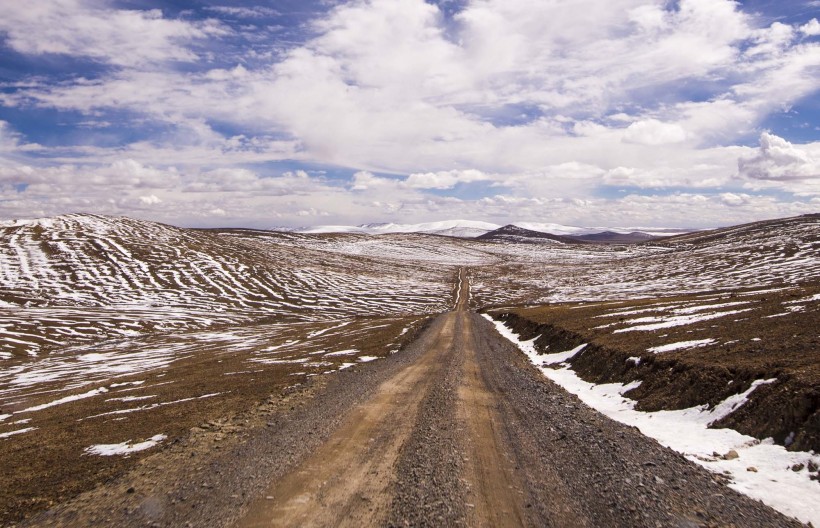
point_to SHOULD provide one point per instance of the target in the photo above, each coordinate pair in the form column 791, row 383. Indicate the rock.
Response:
column 798, row 467
column 731, row 455
column 751, row 469
column 130, row 490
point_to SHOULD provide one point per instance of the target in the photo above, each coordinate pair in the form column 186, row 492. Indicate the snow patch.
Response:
column 125, row 448
column 18, row 431
column 126, row 383
column 343, row 352
column 668, row 322
column 131, row 398
column 67, row 399
column 680, row 345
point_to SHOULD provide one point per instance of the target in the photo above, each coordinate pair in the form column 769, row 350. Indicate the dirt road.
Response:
column 465, row 436
column 456, row 430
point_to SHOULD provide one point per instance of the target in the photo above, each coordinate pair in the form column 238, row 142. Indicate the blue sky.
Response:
column 689, row 113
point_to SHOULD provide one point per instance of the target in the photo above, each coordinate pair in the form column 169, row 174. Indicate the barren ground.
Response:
column 456, row 429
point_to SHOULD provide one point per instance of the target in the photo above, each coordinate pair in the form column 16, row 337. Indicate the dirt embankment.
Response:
column 787, row 410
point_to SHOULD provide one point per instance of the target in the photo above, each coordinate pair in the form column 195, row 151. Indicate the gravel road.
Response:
column 458, row 429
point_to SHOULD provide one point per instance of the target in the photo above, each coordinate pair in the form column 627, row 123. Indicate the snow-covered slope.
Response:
column 80, row 277
column 83, row 277
column 762, row 254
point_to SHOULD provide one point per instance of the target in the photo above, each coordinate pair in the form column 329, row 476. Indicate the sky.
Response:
column 206, row 113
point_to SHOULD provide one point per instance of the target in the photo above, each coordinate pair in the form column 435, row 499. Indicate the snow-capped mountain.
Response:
column 473, row 229
column 455, row 228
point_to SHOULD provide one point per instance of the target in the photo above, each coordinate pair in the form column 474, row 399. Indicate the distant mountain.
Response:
column 454, row 228
column 612, row 237
column 457, row 228
column 517, row 234
column 513, row 233
column 474, row 229
column 556, row 229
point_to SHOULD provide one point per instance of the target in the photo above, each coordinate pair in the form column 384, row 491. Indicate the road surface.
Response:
column 465, row 436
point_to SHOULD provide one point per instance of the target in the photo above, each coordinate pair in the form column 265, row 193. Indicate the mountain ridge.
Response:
column 474, row 228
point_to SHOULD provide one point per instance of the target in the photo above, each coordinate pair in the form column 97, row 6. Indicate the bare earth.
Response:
column 455, row 430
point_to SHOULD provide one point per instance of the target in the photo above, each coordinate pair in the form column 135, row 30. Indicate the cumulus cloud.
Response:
column 811, row 28
column 386, row 86
column 151, row 199
column 734, row 200
column 310, row 199
column 365, row 180
column 654, row 132
column 779, row 160
column 444, row 179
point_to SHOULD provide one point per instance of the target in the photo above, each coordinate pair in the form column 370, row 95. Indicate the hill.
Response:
column 514, row 234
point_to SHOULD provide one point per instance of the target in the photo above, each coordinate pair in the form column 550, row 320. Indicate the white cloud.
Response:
column 151, row 199
column 88, row 28
column 654, row 132
column 779, row 160
column 9, row 139
column 811, row 28
column 364, row 180
column 772, row 40
column 734, row 200
column 634, row 177
column 444, row 179
column 383, row 87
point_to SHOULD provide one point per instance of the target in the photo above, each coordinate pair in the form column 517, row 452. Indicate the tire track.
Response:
column 348, row 481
